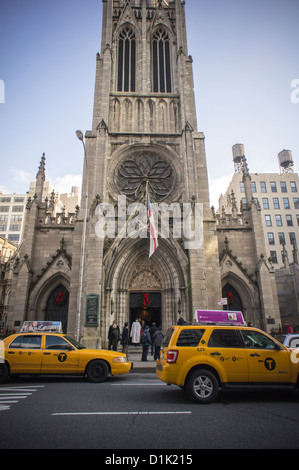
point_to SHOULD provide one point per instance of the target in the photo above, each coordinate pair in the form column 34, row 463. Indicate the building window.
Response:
column 15, row 228
column 4, row 208
column 3, row 227
column 242, row 187
column 273, row 187
column 296, row 202
column 13, row 238
column 5, row 199
column 271, row 238
column 263, row 187
column 161, row 62
column 276, row 203
column 265, row 203
column 286, row 203
column 19, row 199
column 292, row 238
column 278, row 220
column 17, row 208
column 3, row 218
column 281, row 237
column 16, row 218
column 253, row 186
column 297, row 216
column 273, row 256
column 293, row 186
column 268, row 220
column 126, row 80
column 283, row 186
column 289, row 220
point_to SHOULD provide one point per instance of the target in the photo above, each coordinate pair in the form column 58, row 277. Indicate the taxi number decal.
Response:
column 270, row 364
column 62, row 357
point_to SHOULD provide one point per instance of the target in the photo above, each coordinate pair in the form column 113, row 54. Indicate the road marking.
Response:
column 123, row 413
column 11, row 395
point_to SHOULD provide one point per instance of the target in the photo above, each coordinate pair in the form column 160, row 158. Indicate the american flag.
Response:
column 152, row 229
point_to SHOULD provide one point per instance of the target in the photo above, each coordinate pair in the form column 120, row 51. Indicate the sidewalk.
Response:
column 134, row 356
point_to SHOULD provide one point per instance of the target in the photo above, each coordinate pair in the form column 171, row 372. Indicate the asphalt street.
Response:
column 136, row 412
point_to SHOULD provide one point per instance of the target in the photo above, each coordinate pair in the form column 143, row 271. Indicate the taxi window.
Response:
column 256, row 340
column 26, row 342
column 56, row 342
column 224, row 339
column 167, row 337
column 190, row 338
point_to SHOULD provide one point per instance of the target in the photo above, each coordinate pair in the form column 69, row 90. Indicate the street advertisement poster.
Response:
column 42, row 326
column 219, row 316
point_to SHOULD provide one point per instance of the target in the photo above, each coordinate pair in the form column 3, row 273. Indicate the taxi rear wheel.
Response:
column 202, row 386
column 4, row 373
column 97, row 371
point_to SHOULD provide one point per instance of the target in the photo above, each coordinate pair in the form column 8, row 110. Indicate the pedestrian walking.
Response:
column 125, row 338
column 145, row 340
column 289, row 329
column 157, row 342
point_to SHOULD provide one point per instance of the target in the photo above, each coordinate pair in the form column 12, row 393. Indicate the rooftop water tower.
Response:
column 238, row 157
column 285, row 161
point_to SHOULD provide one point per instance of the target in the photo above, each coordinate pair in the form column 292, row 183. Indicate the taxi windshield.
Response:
column 75, row 343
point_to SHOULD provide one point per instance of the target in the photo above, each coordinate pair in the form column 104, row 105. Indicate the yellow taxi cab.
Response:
column 56, row 353
column 204, row 358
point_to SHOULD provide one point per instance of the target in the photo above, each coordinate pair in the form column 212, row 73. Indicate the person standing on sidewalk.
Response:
column 157, row 342
column 152, row 331
column 125, row 339
column 145, row 341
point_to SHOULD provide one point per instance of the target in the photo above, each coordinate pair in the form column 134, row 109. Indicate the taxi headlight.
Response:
column 120, row 359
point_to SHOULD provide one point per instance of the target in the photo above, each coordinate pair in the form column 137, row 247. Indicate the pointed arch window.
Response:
column 161, row 62
column 126, row 80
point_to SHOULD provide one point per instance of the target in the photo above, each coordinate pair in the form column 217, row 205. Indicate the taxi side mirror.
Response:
column 277, row 346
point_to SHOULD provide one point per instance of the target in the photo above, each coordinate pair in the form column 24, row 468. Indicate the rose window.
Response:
column 145, row 168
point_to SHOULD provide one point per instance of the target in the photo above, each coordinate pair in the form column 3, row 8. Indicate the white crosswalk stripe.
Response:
column 11, row 395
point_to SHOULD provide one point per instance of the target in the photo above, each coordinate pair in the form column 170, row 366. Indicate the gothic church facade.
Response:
column 144, row 136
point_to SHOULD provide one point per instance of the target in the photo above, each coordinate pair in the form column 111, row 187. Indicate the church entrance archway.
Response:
column 234, row 301
column 147, row 307
column 57, row 306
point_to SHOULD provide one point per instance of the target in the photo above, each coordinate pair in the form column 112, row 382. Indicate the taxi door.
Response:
column 266, row 363
column 226, row 353
column 24, row 354
column 59, row 356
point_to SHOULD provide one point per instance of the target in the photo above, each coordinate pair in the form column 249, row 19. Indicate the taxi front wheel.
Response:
column 202, row 386
column 97, row 371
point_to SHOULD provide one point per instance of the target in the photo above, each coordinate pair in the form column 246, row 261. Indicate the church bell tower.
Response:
column 144, row 138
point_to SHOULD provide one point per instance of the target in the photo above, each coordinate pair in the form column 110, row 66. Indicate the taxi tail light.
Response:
column 172, row 356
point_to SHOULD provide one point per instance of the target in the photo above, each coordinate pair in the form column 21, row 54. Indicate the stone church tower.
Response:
column 144, row 139
column 144, row 133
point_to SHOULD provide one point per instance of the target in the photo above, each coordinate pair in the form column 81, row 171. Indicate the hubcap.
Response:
column 203, row 386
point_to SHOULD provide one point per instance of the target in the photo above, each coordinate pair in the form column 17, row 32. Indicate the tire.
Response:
column 97, row 371
column 202, row 386
column 4, row 373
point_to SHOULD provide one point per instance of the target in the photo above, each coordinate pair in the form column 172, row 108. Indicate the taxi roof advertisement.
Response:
column 219, row 316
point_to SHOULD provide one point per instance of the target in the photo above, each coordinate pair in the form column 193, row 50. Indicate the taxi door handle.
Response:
column 47, row 354
column 255, row 355
column 216, row 354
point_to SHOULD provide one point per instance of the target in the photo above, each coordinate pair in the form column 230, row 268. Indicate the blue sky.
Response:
column 245, row 53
